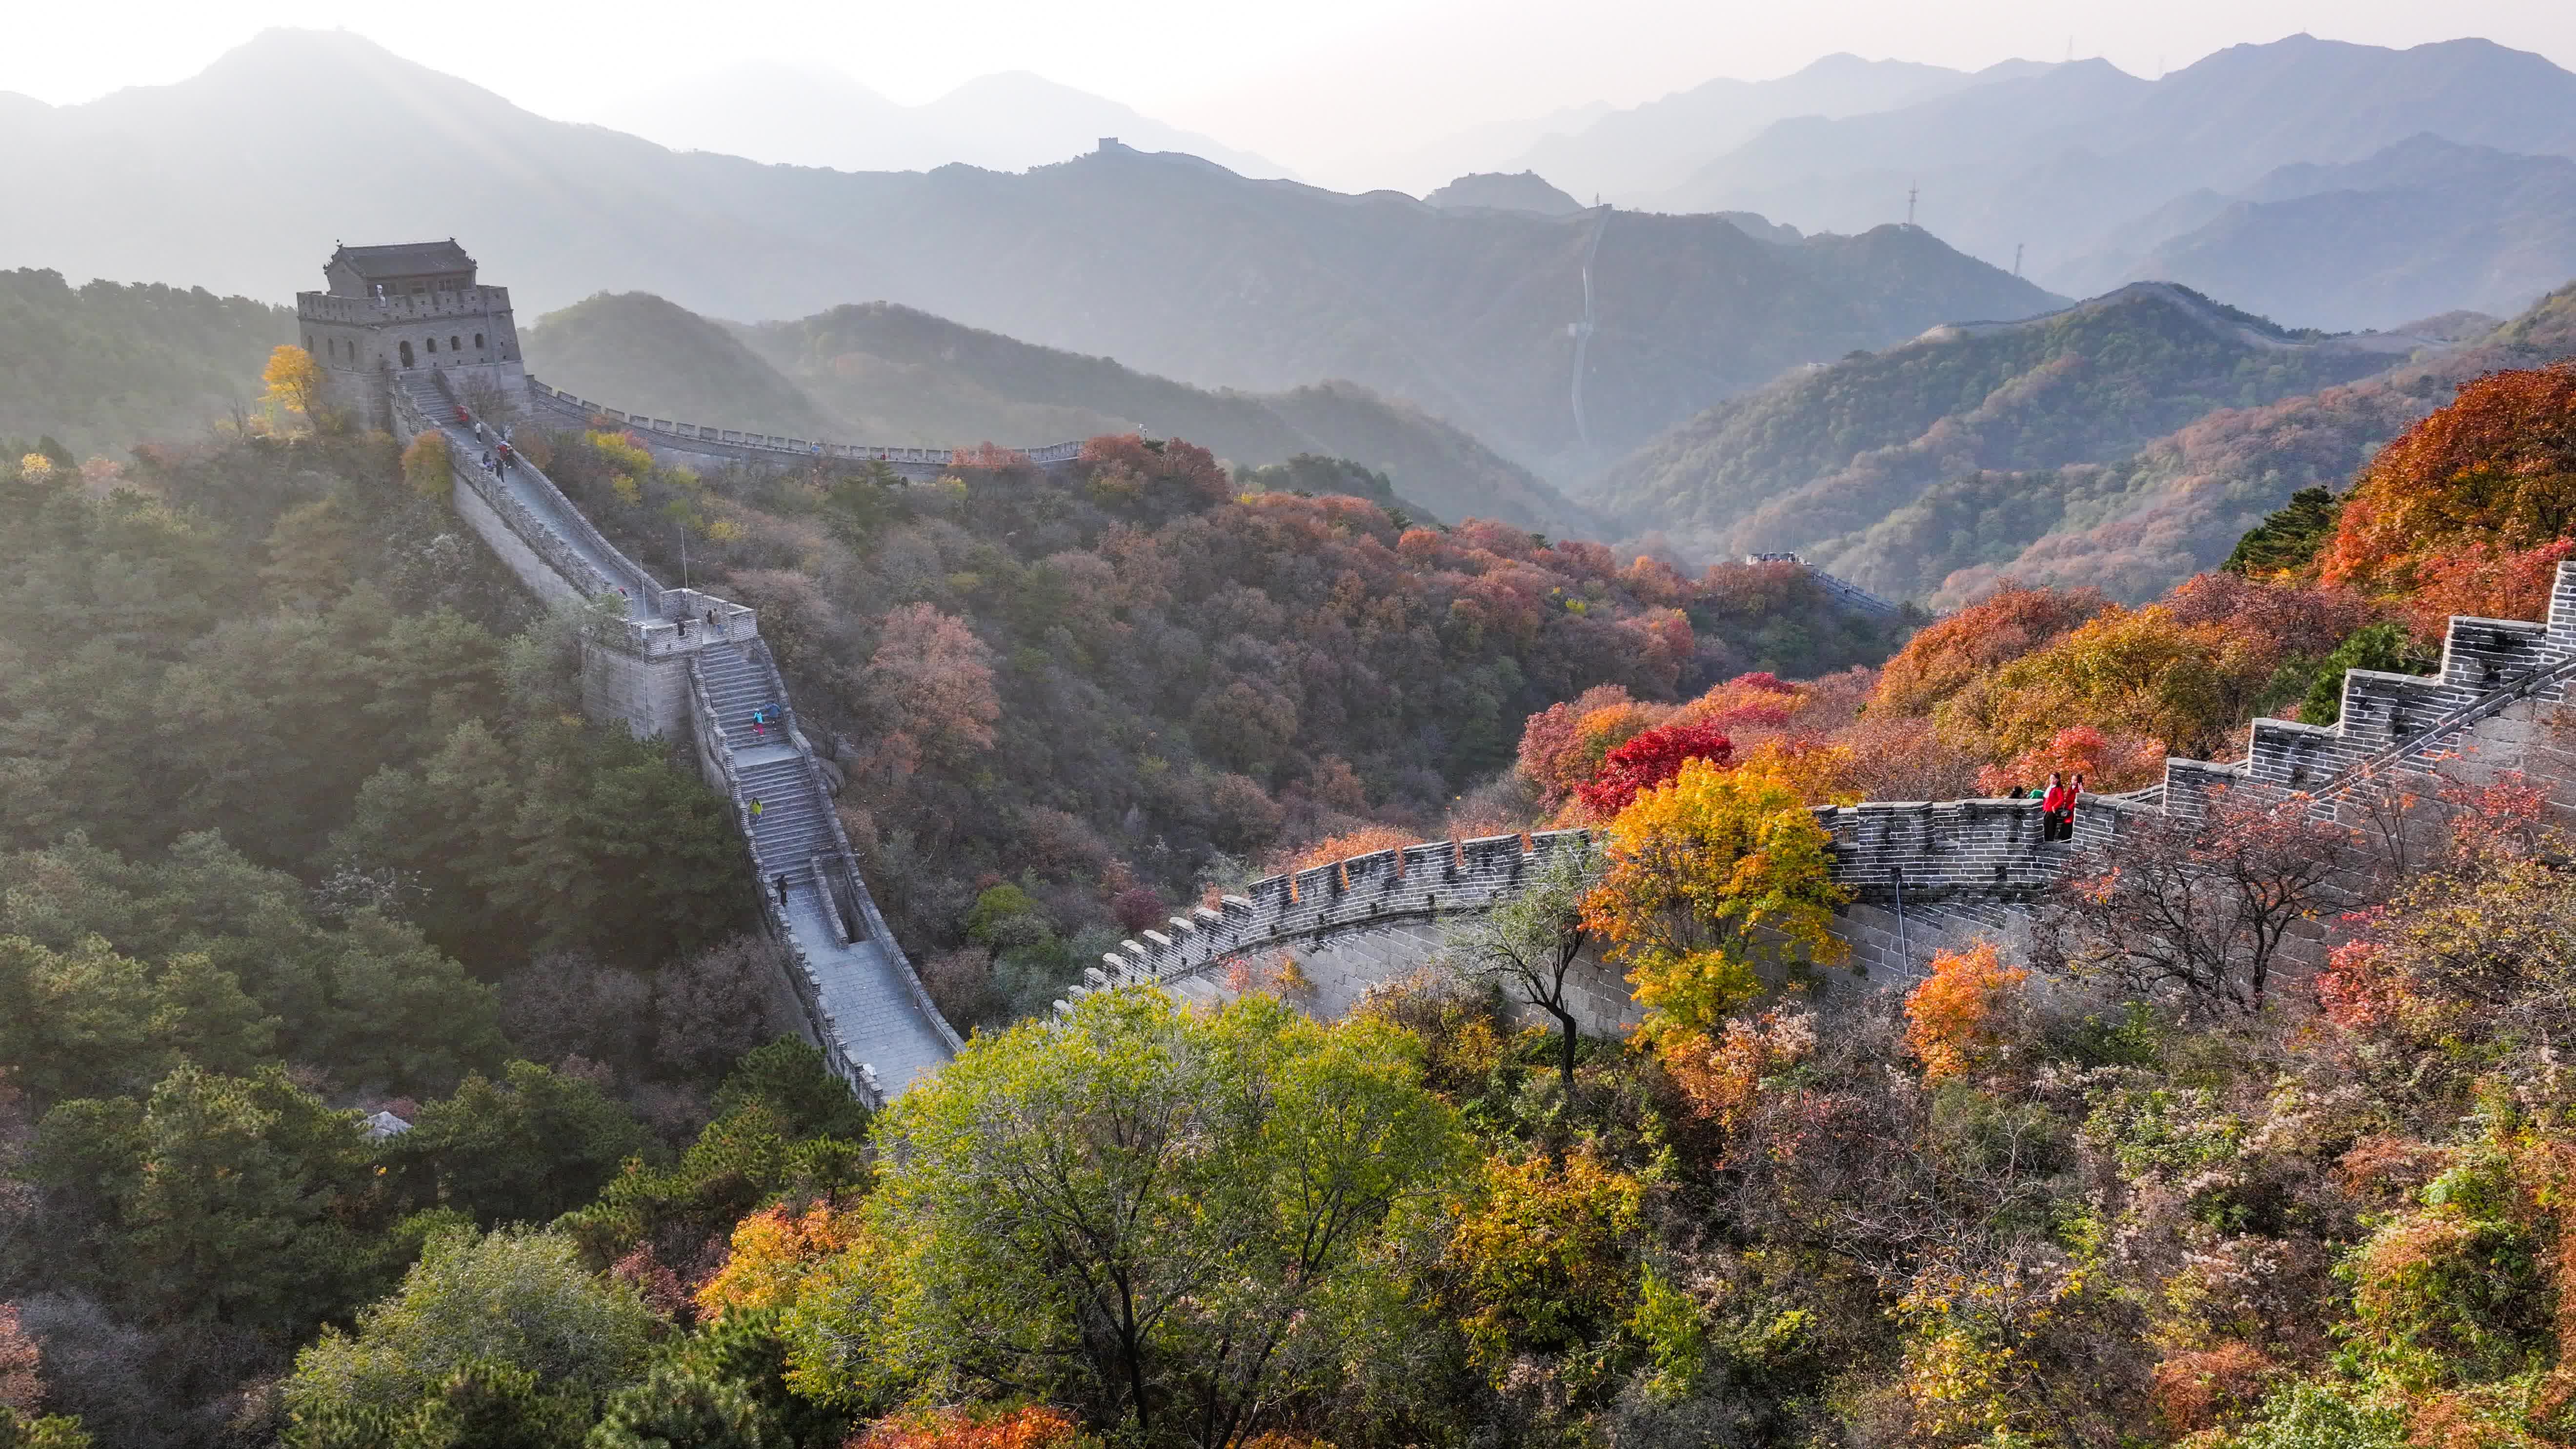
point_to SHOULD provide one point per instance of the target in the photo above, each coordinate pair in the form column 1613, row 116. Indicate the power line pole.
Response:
column 1910, row 192
column 2017, row 258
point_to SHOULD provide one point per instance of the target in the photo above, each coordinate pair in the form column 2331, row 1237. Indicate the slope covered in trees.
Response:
column 1821, row 456
column 1066, row 702
column 880, row 373
column 299, row 820
column 101, row 366
column 2135, row 526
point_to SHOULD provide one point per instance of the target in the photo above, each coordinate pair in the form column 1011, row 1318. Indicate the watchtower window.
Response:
column 452, row 345
column 406, row 354
column 478, row 341
column 431, row 343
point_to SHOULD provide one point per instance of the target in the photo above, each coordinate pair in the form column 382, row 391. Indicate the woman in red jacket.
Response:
column 2057, row 810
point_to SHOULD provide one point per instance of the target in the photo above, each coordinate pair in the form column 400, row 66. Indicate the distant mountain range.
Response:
column 2424, row 225
column 886, row 374
column 2073, row 160
column 1820, row 461
column 1642, row 151
column 813, row 116
column 244, row 176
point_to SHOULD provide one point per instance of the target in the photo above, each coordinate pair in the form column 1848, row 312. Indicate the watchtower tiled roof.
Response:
column 405, row 259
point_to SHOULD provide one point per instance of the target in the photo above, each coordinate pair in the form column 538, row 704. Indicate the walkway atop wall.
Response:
column 769, row 448
column 870, row 1012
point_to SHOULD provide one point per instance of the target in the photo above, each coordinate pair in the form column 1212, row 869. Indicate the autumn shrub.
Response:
column 1368, row 840
column 1954, row 1019
column 1032, row 1426
column 2197, row 1389
column 1720, row 1073
column 1649, row 759
column 426, row 465
column 1543, row 1256
column 2495, row 468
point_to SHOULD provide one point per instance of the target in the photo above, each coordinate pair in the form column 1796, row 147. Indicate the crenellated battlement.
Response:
column 1923, row 872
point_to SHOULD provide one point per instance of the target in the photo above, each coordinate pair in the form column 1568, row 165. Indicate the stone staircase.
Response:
column 869, row 1011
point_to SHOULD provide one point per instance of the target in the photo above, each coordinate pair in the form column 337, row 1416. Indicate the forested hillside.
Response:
column 1106, row 691
column 102, row 366
column 2135, row 526
column 880, row 373
column 298, row 820
column 1824, row 454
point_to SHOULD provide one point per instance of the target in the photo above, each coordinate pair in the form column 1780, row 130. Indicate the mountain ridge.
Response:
column 883, row 373
column 1262, row 285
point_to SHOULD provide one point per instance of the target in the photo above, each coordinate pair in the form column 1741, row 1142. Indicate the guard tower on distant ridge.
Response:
column 402, row 308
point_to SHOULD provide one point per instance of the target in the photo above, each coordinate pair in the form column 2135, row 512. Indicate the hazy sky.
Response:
column 1317, row 84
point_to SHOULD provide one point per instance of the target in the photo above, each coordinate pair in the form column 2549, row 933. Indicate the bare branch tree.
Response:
column 1527, row 946
column 2203, row 907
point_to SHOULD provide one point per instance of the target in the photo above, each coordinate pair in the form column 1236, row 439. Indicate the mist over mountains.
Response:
column 2067, row 159
column 880, row 373
column 814, row 116
column 1167, row 263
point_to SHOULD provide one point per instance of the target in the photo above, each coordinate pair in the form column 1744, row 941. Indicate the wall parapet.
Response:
column 1956, row 864
column 770, row 447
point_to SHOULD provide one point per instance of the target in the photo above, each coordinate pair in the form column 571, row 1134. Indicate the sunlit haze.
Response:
column 1324, row 87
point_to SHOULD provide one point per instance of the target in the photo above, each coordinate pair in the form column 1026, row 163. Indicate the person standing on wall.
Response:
column 2056, row 809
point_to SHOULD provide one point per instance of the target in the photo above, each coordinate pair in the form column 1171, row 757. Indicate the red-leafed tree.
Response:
column 936, row 679
column 1650, row 759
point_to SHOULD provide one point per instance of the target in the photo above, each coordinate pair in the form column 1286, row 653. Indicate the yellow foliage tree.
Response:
column 1708, row 877
column 427, row 465
column 1817, row 774
column 773, row 1250
column 294, row 382
column 1544, row 1259
column 1951, row 1018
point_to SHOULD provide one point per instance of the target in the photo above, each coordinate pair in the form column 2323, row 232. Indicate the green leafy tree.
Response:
column 524, row 1149
column 1176, row 1221
column 521, row 1300
column 236, row 1199
column 2384, row 646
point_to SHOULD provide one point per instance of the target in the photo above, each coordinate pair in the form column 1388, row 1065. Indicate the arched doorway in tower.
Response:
column 406, row 354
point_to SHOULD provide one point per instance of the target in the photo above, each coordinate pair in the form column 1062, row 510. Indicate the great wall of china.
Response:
column 681, row 664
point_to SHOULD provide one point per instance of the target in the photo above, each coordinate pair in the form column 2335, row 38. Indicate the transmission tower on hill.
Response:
column 1910, row 193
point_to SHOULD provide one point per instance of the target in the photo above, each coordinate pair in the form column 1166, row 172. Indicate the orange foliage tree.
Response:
column 1947, row 655
column 773, row 1249
column 1952, row 1020
column 1033, row 1426
column 2107, row 762
column 2495, row 468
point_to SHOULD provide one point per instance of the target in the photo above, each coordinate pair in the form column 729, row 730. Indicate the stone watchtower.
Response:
column 403, row 308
